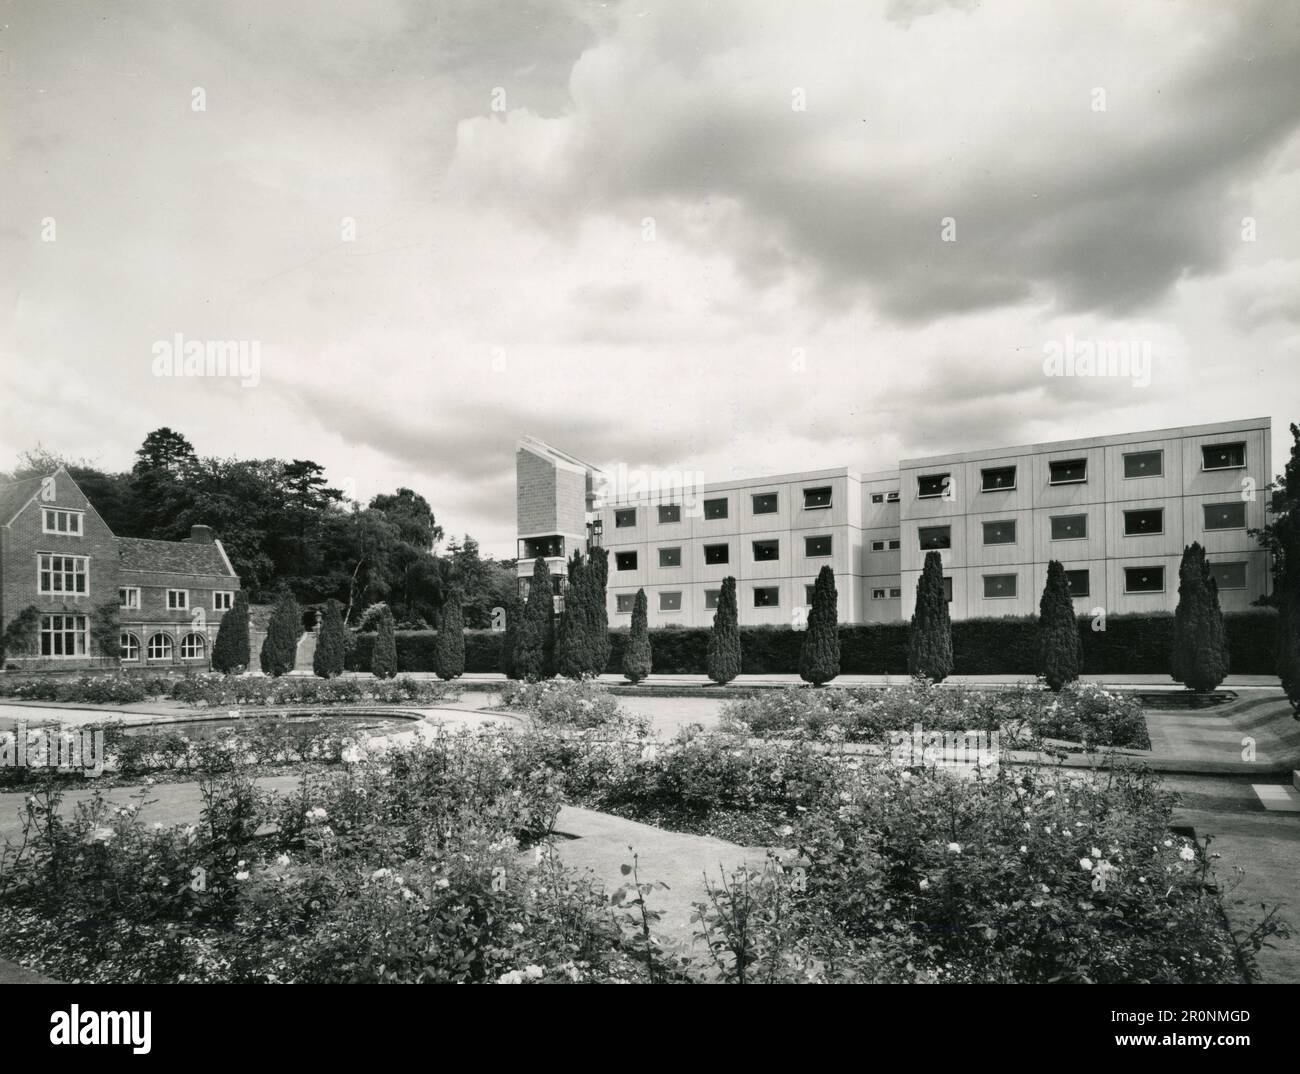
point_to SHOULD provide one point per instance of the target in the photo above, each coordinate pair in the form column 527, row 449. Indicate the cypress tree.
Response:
column 449, row 645
column 1281, row 538
column 535, row 644
column 331, row 643
column 724, row 642
column 383, row 658
column 598, row 628
column 280, row 649
column 1198, row 657
column 819, row 659
column 1288, row 645
column 514, row 610
column 1060, row 648
column 930, row 644
column 572, row 651
column 637, row 658
column 230, row 652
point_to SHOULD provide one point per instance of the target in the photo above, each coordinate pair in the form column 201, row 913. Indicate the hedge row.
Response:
column 1130, row 644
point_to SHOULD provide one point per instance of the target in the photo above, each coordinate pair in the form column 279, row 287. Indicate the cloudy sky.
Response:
column 707, row 235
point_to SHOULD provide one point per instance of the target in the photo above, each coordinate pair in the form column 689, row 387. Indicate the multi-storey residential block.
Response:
column 58, row 556
column 1116, row 511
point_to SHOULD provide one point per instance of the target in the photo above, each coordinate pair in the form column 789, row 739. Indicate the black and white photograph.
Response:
column 649, row 492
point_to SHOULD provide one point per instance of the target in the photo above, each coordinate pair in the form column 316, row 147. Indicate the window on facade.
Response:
column 766, row 550
column 877, row 594
column 1225, row 516
column 765, row 503
column 128, row 646
column 815, row 499
column 1000, row 532
column 711, row 598
column 62, row 574
column 895, row 544
column 877, row 497
column 929, row 486
column 767, row 596
column 128, row 597
column 717, row 553
column 670, row 602
column 1068, row 471
column 1144, row 520
column 222, row 600
column 935, row 536
column 192, row 647
column 625, row 561
column 670, row 557
column 947, row 589
column 624, row 517
column 997, row 586
column 1144, row 579
column 715, row 508
column 1223, row 456
column 1144, row 463
column 877, row 546
column 1069, row 527
column 67, row 523
column 63, row 635
column 159, row 647
column 897, row 592
column 891, row 497
column 1078, row 583
column 178, row 599
column 624, row 602
column 1229, row 575
column 997, row 478
column 808, row 595
column 669, row 512
column 817, row 546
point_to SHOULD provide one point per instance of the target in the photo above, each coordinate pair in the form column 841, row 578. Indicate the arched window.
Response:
column 129, row 645
column 192, row 647
column 160, row 647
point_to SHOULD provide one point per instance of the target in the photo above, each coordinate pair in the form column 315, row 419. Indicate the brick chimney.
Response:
column 200, row 535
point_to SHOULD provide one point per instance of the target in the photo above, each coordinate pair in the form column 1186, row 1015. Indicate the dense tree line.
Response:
column 284, row 526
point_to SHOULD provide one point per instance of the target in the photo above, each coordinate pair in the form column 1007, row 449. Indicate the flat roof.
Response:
column 1243, row 425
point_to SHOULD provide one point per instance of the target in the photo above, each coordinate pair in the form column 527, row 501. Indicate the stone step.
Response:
column 1277, row 798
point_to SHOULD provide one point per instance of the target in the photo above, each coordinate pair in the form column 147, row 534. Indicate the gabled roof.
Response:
column 15, row 496
column 171, row 557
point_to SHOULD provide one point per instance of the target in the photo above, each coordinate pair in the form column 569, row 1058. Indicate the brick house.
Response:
column 163, row 599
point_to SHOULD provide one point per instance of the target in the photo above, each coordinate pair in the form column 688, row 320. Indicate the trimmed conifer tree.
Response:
column 331, row 642
column 598, row 627
column 449, row 645
column 536, row 640
column 637, row 657
column 514, row 610
column 724, row 655
column 383, row 658
column 1198, row 657
column 230, row 652
column 280, row 649
column 1059, row 645
column 819, row 659
column 1288, row 645
column 572, row 652
column 930, row 643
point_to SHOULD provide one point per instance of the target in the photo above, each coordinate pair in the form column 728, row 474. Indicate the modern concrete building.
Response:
column 1115, row 510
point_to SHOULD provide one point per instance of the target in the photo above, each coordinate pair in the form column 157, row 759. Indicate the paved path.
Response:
column 606, row 843
column 1259, row 859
